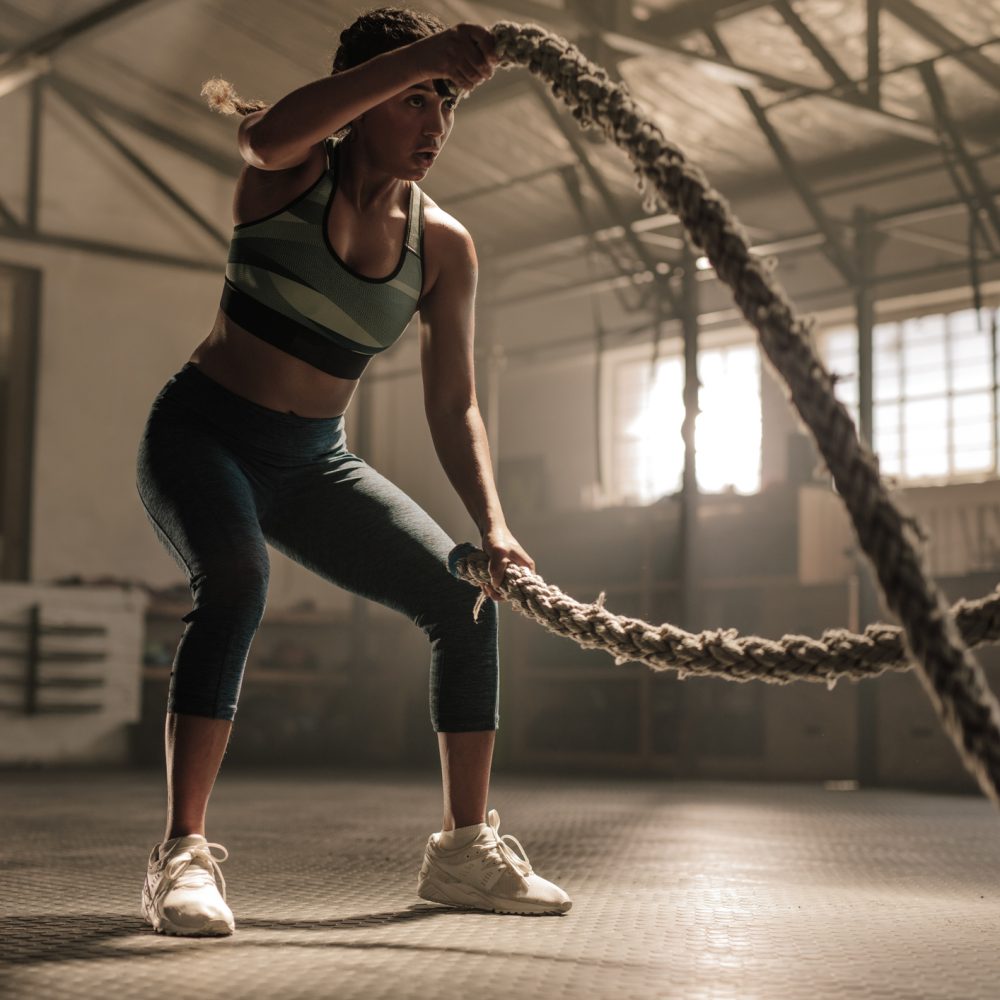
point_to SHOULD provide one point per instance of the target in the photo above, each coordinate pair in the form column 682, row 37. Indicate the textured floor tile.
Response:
column 695, row 890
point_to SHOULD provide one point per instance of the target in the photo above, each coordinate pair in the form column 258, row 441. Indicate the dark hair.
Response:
column 373, row 32
column 380, row 30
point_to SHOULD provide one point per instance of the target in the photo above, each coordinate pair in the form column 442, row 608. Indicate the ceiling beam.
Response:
column 840, row 259
column 227, row 165
column 119, row 250
column 142, row 167
column 638, row 42
column 32, row 58
column 934, row 31
column 8, row 217
column 694, row 15
column 986, row 203
column 572, row 136
column 571, row 181
column 817, row 49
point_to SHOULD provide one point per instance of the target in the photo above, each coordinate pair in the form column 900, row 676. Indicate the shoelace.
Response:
column 502, row 850
column 192, row 868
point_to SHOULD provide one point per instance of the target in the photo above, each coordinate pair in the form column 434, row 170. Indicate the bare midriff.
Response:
column 268, row 376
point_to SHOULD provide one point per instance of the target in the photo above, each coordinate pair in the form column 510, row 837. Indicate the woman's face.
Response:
column 418, row 118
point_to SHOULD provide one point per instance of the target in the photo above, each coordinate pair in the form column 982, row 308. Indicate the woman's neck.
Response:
column 365, row 187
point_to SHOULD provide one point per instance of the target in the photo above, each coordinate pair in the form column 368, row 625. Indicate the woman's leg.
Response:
column 352, row 526
column 465, row 776
column 194, row 748
column 203, row 508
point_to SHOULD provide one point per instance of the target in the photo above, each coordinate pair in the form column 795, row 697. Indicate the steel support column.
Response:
column 867, row 610
column 864, row 304
column 690, row 612
column 873, row 36
column 34, row 153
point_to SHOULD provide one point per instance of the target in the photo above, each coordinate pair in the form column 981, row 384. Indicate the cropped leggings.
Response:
column 220, row 475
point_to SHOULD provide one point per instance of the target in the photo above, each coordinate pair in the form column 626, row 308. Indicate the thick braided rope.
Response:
column 720, row 653
column 953, row 680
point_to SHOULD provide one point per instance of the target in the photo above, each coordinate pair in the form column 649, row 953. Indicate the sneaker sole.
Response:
column 211, row 928
column 463, row 895
column 215, row 928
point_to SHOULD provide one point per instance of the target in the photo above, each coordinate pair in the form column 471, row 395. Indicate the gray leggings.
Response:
column 219, row 475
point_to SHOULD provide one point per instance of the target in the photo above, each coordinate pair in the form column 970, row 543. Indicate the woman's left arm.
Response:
column 447, row 332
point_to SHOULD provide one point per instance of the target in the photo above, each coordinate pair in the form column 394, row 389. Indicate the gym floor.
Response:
column 693, row 890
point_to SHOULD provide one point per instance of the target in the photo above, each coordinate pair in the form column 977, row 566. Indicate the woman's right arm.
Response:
column 282, row 135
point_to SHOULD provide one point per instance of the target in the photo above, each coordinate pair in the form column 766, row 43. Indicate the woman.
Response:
column 334, row 249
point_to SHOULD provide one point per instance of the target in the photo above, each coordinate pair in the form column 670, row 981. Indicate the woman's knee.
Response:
column 229, row 600
column 452, row 612
column 236, row 582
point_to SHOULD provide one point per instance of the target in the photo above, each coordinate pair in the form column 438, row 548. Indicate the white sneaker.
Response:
column 484, row 872
column 181, row 894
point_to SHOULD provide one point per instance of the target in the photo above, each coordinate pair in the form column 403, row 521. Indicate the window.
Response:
column 647, row 408
column 934, row 393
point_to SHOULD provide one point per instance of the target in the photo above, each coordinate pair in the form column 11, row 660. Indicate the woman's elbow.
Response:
column 250, row 141
column 258, row 149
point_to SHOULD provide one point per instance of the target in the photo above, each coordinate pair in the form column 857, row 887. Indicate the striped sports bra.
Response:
column 285, row 283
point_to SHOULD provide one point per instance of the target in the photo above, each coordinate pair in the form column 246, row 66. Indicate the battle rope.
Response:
column 953, row 680
column 716, row 652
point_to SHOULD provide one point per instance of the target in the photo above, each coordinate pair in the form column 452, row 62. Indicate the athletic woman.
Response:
column 335, row 247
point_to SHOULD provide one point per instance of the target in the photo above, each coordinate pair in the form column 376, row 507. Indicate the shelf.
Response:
column 572, row 672
column 177, row 609
column 265, row 676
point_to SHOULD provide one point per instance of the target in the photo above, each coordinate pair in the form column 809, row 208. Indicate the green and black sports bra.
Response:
column 286, row 284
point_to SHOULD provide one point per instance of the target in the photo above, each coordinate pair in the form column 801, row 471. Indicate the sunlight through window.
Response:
column 648, row 450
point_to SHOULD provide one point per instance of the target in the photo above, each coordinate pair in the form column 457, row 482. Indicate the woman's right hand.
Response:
column 464, row 54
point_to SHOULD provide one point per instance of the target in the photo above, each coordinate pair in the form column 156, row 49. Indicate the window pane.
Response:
column 972, row 408
column 889, row 464
column 933, row 379
column 657, row 459
column 728, row 429
column 978, row 460
column 888, row 385
column 924, row 356
column 925, row 424
column 648, row 458
column 888, row 439
column 969, row 345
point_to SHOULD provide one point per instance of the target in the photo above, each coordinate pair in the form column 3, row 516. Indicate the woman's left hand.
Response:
column 502, row 548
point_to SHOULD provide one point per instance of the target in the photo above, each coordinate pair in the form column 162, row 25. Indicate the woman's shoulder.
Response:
column 445, row 238
column 448, row 245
